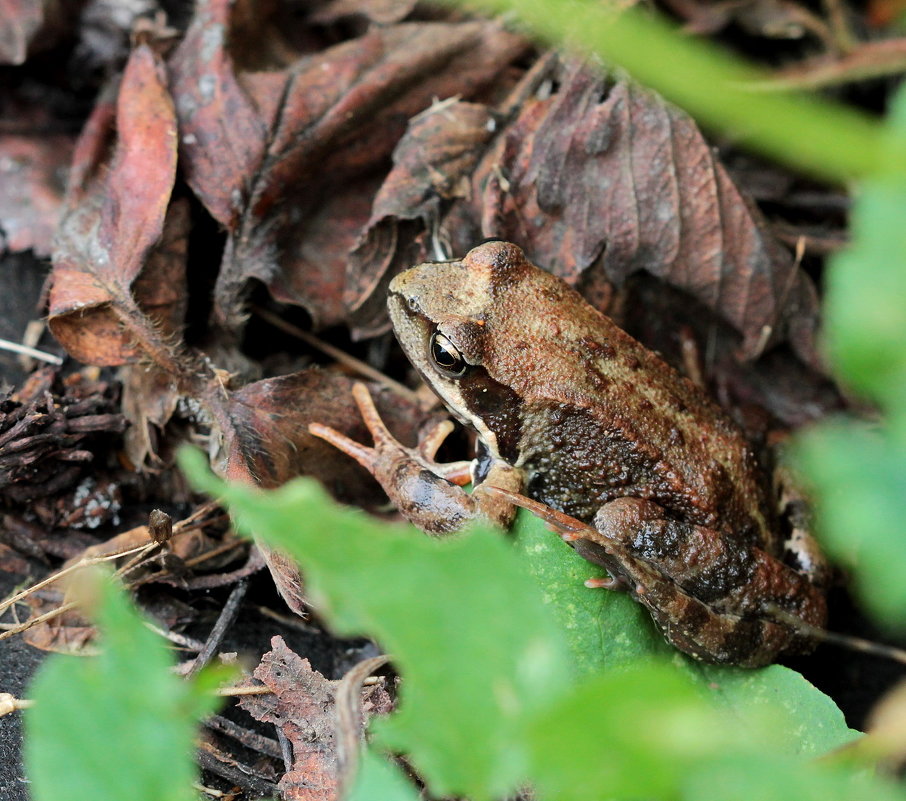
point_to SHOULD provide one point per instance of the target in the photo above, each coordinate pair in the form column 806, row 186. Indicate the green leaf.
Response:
column 477, row 648
column 604, row 629
column 378, row 779
column 797, row 717
column 865, row 299
column 625, row 734
column 757, row 777
column 859, row 476
column 607, row 630
column 119, row 725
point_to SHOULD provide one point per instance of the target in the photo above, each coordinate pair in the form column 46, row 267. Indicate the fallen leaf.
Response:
column 267, row 443
column 603, row 179
column 302, row 705
column 115, row 214
column 432, row 165
column 263, row 149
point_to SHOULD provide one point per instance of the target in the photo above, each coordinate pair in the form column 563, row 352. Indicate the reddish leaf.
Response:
column 31, row 190
column 115, row 216
column 320, row 250
column 302, row 705
column 69, row 633
column 332, row 118
column 607, row 179
column 222, row 134
column 432, row 163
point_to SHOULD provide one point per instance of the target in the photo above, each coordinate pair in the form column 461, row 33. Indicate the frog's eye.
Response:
column 446, row 357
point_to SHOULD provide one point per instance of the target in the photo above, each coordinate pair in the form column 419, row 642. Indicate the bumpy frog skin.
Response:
column 574, row 413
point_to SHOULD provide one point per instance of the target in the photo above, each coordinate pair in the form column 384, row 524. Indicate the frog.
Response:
column 636, row 467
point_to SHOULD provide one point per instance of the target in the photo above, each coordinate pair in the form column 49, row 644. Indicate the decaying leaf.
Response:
column 264, row 150
column 432, row 165
column 267, row 443
column 32, row 170
column 115, row 214
column 303, row 706
column 596, row 181
column 605, row 177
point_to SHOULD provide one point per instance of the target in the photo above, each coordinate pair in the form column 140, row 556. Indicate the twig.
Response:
column 224, row 621
column 867, row 60
column 357, row 365
column 25, row 350
column 349, row 715
column 39, row 619
column 236, row 691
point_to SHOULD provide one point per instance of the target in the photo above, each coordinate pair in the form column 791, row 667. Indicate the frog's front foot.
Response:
column 425, row 492
column 387, row 450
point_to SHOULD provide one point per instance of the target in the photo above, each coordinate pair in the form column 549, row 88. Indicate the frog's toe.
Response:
column 607, row 583
column 364, row 455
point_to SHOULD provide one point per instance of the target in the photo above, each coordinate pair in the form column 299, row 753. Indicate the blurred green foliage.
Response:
column 493, row 697
column 119, row 725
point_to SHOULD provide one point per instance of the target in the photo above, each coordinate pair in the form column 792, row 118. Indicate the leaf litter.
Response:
column 300, row 162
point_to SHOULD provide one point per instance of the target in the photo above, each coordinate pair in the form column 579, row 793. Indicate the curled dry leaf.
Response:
column 115, row 214
column 264, row 150
column 303, row 706
column 433, row 163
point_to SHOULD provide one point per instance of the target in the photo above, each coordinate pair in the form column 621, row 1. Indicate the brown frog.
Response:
column 572, row 412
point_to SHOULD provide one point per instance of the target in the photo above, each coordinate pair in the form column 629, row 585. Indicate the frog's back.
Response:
column 602, row 414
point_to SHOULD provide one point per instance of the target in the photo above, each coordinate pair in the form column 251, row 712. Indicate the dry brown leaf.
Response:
column 264, row 150
column 302, row 706
column 603, row 179
column 115, row 215
column 268, row 443
column 68, row 633
column 432, row 163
